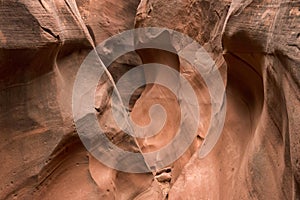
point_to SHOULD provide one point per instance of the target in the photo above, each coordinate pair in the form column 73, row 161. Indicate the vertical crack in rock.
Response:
column 164, row 177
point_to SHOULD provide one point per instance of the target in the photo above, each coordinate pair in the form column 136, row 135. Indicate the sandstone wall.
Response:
column 256, row 47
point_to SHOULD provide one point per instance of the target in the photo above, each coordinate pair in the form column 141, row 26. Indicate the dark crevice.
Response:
column 69, row 7
column 91, row 32
column 167, row 196
column 42, row 5
column 218, row 14
column 244, row 61
column 294, row 45
column 50, row 32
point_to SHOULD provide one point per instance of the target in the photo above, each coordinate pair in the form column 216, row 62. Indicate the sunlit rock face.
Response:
column 255, row 45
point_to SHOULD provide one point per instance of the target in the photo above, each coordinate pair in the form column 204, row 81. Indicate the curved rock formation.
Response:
column 256, row 47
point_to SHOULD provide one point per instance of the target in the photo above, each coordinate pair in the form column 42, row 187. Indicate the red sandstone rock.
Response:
column 255, row 45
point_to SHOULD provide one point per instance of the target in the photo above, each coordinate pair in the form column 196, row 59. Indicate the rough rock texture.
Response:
column 43, row 44
column 256, row 46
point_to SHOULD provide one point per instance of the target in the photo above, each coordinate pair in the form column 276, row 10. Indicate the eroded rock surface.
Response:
column 255, row 45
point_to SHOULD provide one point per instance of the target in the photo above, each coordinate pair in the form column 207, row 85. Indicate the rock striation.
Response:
column 256, row 48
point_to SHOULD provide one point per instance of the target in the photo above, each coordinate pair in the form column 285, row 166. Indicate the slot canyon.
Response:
column 255, row 47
